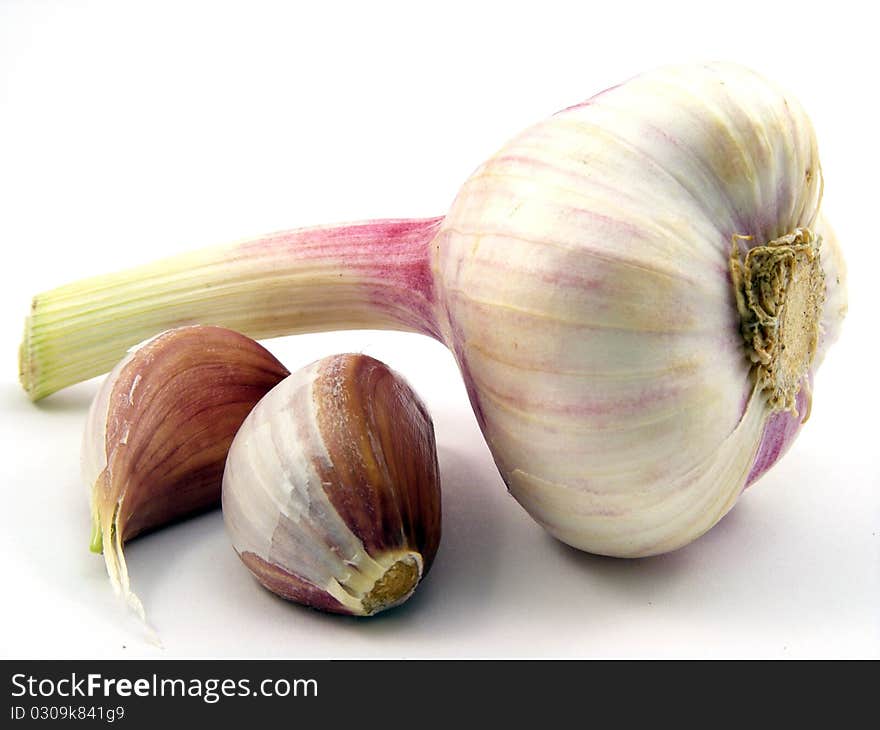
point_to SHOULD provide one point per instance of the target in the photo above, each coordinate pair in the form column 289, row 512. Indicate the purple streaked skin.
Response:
column 388, row 260
column 394, row 252
column 591, row 100
column 779, row 434
column 290, row 586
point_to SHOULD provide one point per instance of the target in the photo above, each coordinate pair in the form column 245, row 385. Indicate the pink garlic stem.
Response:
column 366, row 275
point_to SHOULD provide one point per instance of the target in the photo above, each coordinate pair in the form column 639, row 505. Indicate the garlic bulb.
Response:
column 331, row 493
column 621, row 402
column 637, row 290
column 158, row 431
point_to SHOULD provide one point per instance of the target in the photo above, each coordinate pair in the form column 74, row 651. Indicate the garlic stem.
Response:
column 355, row 276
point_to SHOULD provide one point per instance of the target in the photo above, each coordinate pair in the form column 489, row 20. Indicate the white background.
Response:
column 128, row 131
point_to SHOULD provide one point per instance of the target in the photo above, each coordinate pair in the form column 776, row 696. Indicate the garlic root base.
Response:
column 780, row 290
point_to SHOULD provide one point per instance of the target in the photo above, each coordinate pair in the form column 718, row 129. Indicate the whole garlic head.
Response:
column 331, row 493
column 639, row 291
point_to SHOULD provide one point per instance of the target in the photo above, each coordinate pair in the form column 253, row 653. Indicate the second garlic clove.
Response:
column 158, row 431
column 331, row 493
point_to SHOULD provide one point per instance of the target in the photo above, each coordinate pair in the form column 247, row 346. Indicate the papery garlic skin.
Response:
column 619, row 401
column 331, row 490
column 158, row 430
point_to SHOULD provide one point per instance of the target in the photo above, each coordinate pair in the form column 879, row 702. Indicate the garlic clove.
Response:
column 159, row 429
column 331, row 493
